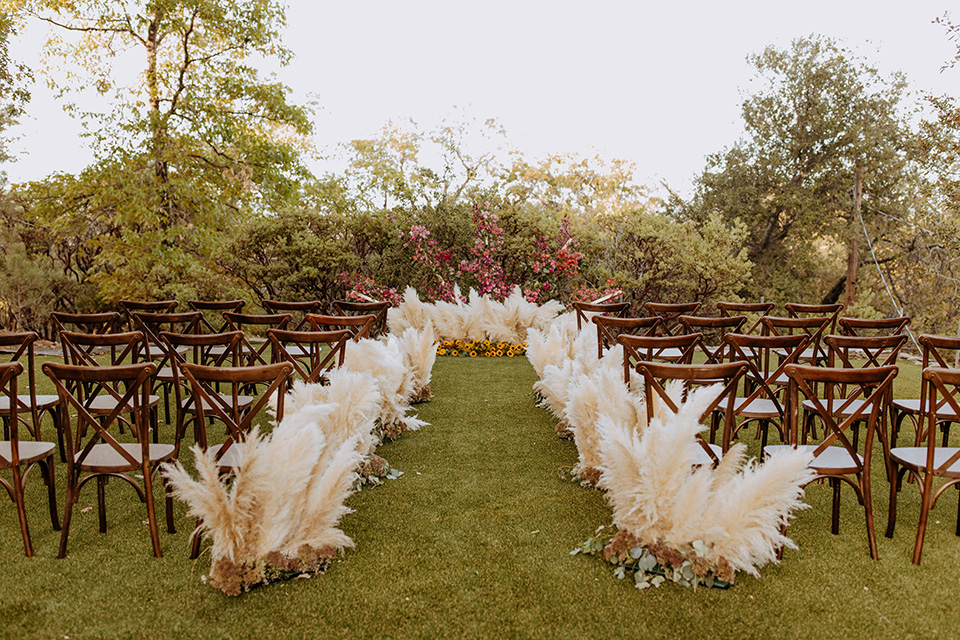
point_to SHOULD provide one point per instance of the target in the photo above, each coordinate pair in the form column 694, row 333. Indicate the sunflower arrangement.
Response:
column 481, row 348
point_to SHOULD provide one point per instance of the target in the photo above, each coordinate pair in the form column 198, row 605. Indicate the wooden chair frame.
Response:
column 297, row 311
column 102, row 456
column 131, row 307
column 728, row 309
column 672, row 349
column 23, row 350
column 237, row 321
column 881, row 326
column 933, row 350
column 377, row 308
column 838, row 416
column 928, row 461
column 813, row 327
column 319, row 361
column 609, row 327
column 600, row 308
column 723, row 325
column 217, row 306
column 670, row 313
column 22, row 457
column 358, row 326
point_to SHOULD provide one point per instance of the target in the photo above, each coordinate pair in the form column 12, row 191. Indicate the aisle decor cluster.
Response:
column 277, row 516
column 672, row 521
column 475, row 325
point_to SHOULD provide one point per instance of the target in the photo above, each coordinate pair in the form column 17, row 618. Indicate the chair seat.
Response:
column 848, row 411
column 30, row 452
column 43, row 402
column 105, row 457
column 912, row 405
column 702, row 458
column 107, row 403
column 164, row 374
column 916, row 458
column 758, row 408
column 808, row 355
column 242, row 401
column 831, row 460
column 232, row 457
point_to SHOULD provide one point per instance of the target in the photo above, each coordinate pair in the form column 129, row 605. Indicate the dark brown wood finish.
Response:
column 753, row 310
column 377, row 308
column 671, row 312
column 249, row 324
column 602, row 308
column 297, row 310
column 609, row 327
column 93, row 453
column 358, row 326
column 325, row 351
column 21, row 456
column 866, row 327
column 940, row 351
column 713, row 330
column 674, row 349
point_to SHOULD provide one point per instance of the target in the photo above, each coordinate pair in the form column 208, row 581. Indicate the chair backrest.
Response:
column 940, row 351
column 315, row 353
column 873, row 326
column 671, row 312
column 765, row 364
column 877, row 351
column 674, row 349
column 837, row 411
column 814, row 328
column 713, row 330
column 297, row 310
column 358, row 326
column 212, row 311
column 79, row 349
column 656, row 375
column 250, row 324
column 226, row 407
column 129, row 384
column 943, row 388
column 20, row 347
column 609, row 327
column 798, row 310
column 153, row 324
column 131, row 307
column 601, row 308
column 753, row 310
column 377, row 308
column 8, row 388
column 107, row 322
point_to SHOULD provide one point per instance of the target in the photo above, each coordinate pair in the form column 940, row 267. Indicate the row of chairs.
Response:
column 773, row 379
column 98, row 396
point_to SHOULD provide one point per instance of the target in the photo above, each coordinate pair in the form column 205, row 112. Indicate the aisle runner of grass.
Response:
column 473, row 541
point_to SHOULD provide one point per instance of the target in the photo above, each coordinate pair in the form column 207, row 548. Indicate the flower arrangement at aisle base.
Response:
column 481, row 349
column 699, row 521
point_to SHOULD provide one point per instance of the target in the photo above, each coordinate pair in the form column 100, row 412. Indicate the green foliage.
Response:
column 14, row 77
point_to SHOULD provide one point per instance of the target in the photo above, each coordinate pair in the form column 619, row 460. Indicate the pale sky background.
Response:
column 659, row 84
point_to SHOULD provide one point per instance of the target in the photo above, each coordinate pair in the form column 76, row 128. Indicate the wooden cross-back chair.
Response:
column 753, row 310
column 586, row 310
column 131, row 307
column 713, row 329
column 926, row 461
column 609, row 327
column 297, row 310
column 91, row 448
column 671, row 349
column 21, row 456
column 670, row 313
column 19, row 347
column 213, row 310
column 939, row 351
column 760, row 402
column 873, row 326
column 80, row 350
column 813, row 327
column 152, row 325
column 245, row 322
column 832, row 311
column 226, row 409
column 835, row 457
column 358, row 326
column 325, row 351
column 727, row 375
column 186, row 347
column 375, row 307
column 107, row 322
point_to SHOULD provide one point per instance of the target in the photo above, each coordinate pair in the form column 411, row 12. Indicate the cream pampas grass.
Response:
column 419, row 348
column 662, row 501
column 479, row 318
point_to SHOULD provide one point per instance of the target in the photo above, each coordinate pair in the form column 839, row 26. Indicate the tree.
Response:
column 14, row 77
column 195, row 145
column 821, row 117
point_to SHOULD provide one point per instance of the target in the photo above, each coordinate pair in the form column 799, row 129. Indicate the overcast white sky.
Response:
column 658, row 83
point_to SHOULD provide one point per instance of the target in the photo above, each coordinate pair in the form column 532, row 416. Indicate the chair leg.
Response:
column 46, row 466
column 895, row 485
column 67, row 513
column 21, row 511
column 102, row 503
column 168, row 504
column 151, row 512
column 835, row 519
column 925, row 500
column 868, row 511
column 195, row 542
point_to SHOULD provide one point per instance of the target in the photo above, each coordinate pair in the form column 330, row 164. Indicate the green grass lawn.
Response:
column 473, row 541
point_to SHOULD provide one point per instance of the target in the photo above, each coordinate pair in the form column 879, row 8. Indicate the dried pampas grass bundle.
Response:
column 419, row 348
column 715, row 520
column 479, row 318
